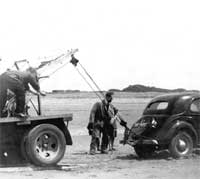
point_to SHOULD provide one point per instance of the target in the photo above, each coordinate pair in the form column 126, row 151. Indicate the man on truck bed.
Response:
column 18, row 82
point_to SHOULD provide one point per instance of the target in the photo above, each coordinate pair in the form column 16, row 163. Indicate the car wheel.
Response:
column 144, row 151
column 181, row 145
column 45, row 145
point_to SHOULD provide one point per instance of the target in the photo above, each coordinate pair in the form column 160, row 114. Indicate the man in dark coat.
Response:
column 99, row 122
column 18, row 82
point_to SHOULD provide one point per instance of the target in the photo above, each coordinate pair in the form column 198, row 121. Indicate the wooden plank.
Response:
column 65, row 117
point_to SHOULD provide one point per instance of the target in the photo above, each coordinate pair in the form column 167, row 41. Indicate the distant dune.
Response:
column 65, row 91
column 142, row 88
column 133, row 88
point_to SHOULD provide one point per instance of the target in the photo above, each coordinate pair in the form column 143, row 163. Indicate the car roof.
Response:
column 177, row 96
column 177, row 102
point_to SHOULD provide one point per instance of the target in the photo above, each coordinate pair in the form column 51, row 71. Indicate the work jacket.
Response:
column 99, row 114
column 24, row 79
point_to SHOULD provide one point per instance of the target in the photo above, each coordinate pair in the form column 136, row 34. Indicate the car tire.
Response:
column 144, row 151
column 181, row 145
column 45, row 145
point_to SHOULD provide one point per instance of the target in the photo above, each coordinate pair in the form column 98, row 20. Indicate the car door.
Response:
column 195, row 116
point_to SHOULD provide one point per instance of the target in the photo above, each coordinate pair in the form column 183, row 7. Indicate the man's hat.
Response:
column 109, row 94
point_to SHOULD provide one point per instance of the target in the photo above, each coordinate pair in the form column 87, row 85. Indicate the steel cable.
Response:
column 88, row 83
column 100, row 91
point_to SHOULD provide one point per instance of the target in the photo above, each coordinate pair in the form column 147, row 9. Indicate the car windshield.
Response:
column 158, row 106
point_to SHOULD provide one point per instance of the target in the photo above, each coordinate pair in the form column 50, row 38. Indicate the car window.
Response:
column 158, row 106
column 195, row 106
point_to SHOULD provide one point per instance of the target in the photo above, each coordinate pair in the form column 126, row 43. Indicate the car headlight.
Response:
column 154, row 123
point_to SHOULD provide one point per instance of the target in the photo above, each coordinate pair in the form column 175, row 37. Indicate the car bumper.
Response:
column 141, row 142
column 148, row 142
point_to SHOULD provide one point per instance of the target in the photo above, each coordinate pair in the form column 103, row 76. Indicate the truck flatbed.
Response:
column 65, row 117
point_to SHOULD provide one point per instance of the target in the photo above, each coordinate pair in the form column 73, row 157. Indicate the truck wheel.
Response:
column 45, row 145
column 144, row 151
column 181, row 145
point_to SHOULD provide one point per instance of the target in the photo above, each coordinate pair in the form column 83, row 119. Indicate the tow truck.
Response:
column 40, row 140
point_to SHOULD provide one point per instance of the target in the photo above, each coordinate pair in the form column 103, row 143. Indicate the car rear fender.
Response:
column 181, row 126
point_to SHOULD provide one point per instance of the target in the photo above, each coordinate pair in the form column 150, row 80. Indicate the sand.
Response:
column 122, row 163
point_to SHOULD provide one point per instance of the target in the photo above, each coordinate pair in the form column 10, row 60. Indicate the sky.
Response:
column 121, row 43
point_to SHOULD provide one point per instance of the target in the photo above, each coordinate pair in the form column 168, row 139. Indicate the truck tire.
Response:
column 45, row 145
column 181, row 145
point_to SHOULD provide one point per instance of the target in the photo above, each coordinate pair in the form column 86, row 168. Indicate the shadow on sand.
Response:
column 161, row 155
column 156, row 156
column 29, row 167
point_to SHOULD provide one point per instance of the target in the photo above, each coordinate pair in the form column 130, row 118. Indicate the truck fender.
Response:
column 182, row 125
column 67, row 136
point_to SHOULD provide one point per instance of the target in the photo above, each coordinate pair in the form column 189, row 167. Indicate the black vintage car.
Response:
column 170, row 121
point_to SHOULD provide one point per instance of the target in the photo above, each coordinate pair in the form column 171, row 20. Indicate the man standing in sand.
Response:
column 98, row 123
